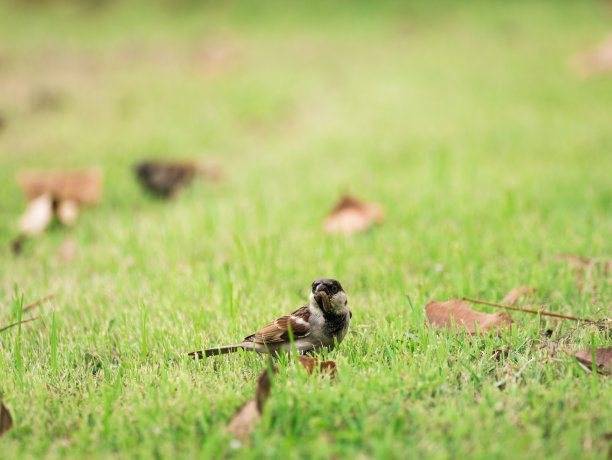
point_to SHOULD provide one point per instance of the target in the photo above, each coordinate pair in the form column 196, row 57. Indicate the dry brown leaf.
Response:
column 603, row 358
column 585, row 268
column 262, row 390
column 67, row 212
column 330, row 367
column 513, row 296
column 6, row 421
column 596, row 60
column 573, row 260
column 37, row 215
column 68, row 250
column 352, row 215
column 244, row 421
column 579, row 262
column 80, row 186
column 443, row 314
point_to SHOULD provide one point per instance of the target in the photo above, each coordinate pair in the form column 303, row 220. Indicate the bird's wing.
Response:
column 278, row 331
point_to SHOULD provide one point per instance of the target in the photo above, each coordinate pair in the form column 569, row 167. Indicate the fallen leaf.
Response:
column 603, row 358
column 585, row 268
column 67, row 212
column 37, row 215
column 513, row 296
column 573, row 260
column 68, row 250
column 580, row 262
column 443, row 314
column 330, row 367
column 80, row 186
column 165, row 178
column 596, row 60
column 6, row 421
column 352, row 215
column 262, row 389
column 244, row 421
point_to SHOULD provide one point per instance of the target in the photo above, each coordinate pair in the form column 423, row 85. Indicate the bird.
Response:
column 321, row 323
column 165, row 178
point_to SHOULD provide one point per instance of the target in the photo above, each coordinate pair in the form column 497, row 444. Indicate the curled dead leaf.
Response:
column 580, row 262
column 67, row 212
column 522, row 291
column 244, row 421
column 325, row 367
column 6, row 421
column 81, row 186
column 585, row 269
column 444, row 314
column 37, row 215
column 351, row 215
column 603, row 359
column 595, row 60
column 263, row 387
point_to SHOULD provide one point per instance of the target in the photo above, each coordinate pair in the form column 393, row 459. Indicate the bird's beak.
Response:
column 321, row 287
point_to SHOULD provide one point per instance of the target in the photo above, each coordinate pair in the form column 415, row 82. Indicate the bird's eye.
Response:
column 334, row 289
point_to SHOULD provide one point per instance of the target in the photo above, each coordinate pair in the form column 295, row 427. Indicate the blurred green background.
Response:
column 468, row 122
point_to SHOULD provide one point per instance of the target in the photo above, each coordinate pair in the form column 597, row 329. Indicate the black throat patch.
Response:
column 334, row 322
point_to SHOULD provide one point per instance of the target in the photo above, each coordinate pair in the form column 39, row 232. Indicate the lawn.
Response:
column 466, row 122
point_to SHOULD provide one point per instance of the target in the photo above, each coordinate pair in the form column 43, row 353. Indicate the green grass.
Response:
column 464, row 121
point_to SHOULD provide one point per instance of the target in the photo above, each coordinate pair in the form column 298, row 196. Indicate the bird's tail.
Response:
column 216, row 351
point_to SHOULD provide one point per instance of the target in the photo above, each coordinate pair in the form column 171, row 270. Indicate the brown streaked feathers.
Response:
column 278, row 331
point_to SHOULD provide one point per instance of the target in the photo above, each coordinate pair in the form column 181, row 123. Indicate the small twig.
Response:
column 524, row 310
column 17, row 323
column 38, row 302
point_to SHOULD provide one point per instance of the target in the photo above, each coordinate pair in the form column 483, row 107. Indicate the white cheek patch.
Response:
column 339, row 300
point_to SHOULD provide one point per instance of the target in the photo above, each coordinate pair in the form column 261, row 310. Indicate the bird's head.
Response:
column 333, row 290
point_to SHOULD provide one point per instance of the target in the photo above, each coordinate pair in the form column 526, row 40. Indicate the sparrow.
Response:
column 322, row 323
column 165, row 178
